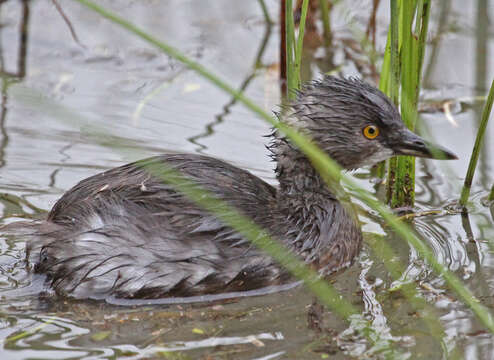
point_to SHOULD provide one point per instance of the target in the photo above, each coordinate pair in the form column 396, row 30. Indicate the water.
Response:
column 113, row 83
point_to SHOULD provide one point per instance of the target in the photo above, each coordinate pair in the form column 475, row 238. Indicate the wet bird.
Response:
column 125, row 233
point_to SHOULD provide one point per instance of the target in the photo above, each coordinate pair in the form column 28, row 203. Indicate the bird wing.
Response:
column 126, row 232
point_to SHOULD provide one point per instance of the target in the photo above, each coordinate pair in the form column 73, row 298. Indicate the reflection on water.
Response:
column 209, row 128
column 58, row 90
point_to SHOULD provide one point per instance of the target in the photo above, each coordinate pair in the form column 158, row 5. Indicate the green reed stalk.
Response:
column 294, row 47
column 394, row 85
column 421, row 28
column 394, row 82
column 300, row 42
column 491, row 194
column 326, row 24
column 403, row 190
column 384, row 85
column 384, row 79
column 329, row 170
column 291, row 77
column 467, row 185
column 401, row 184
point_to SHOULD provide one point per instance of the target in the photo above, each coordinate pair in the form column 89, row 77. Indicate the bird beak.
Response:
column 413, row 145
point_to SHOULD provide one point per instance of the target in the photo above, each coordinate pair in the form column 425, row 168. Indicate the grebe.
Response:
column 126, row 234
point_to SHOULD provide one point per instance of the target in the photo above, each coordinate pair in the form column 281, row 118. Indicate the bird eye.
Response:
column 371, row 132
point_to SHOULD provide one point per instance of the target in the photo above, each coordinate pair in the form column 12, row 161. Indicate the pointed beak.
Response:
column 411, row 144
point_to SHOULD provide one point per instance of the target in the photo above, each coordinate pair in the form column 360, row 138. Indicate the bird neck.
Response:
column 295, row 172
column 316, row 225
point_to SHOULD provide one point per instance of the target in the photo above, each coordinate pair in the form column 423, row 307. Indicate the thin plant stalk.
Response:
column 424, row 14
column 394, row 85
column 412, row 56
column 386, row 67
column 329, row 170
column 467, row 185
column 402, row 192
column 380, row 169
column 283, row 52
column 265, row 12
column 394, row 82
column 326, row 24
column 401, row 184
column 291, row 77
column 300, row 43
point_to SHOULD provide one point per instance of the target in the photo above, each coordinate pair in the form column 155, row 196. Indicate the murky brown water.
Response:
column 114, row 82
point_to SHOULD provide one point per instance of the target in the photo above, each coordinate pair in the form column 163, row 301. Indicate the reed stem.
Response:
column 467, row 185
column 300, row 43
column 326, row 24
column 384, row 83
column 394, row 83
column 491, row 194
column 291, row 78
column 410, row 56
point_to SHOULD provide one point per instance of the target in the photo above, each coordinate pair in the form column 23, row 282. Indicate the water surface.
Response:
column 112, row 83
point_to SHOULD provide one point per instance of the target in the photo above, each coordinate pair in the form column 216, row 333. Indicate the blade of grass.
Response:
column 467, row 185
column 329, row 170
column 259, row 237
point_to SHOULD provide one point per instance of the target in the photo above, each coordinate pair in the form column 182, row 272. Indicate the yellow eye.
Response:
column 371, row 132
